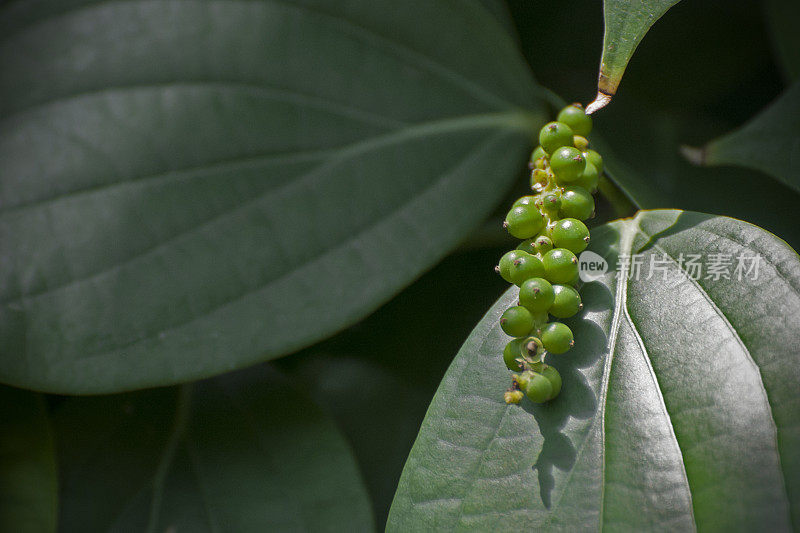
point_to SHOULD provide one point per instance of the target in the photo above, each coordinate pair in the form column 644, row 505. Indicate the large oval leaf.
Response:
column 182, row 180
column 769, row 143
column 680, row 406
column 28, row 486
column 626, row 23
column 244, row 452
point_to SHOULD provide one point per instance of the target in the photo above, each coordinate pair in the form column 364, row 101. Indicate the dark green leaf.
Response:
column 378, row 377
column 679, row 407
column 244, row 452
column 769, row 143
column 626, row 23
column 180, row 180
column 378, row 412
column 28, row 487
column 782, row 18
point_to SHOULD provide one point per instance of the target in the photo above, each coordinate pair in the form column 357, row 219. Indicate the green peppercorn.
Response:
column 524, row 201
column 576, row 202
column 538, row 154
column 570, row 233
column 527, row 246
column 560, row 266
column 555, row 135
column 567, row 164
column 524, row 221
column 536, row 294
column 554, row 378
column 581, row 143
column 557, row 337
column 574, row 117
column 538, row 389
column 589, row 178
column 595, row 159
column 516, row 321
column 504, row 265
column 525, row 267
column 512, row 352
column 551, row 203
column 542, row 244
column 566, row 301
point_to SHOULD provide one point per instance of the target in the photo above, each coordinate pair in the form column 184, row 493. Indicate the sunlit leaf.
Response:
column 679, row 407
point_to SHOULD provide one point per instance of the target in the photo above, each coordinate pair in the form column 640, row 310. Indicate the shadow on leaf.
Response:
column 577, row 398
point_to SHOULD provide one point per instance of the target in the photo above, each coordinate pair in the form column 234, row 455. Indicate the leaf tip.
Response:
column 696, row 156
column 600, row 101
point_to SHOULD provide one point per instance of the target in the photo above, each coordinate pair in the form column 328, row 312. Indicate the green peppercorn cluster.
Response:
column 564, row 175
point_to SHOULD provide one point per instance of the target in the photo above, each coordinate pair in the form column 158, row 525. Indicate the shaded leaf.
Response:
column 243, row 452
column 28, row 485
column 782, row 17
column 626, row 23
column 770, row 142
column 378, row 412
column 378, row 377
column 180, row 180
column 679, row 407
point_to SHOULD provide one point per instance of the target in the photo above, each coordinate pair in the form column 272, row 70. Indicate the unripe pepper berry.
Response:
column 576, row 202
column 542, row 244
column 516, row 321
column 595, row 159
column 557, row 337
column 524, row 221
column 525, row 267
column 554, row 378
column 570, row 233
column 566, row 301
column 554, row 135
column 589, row 178
column 538, row 154
column 551, row 203
column 567, row 164
column 524, row 200
column 560, row 266
column 504, row 265
column 538, row 389
column 528, row 246
column 575, row 117
column 512, row 352
column 536, row 294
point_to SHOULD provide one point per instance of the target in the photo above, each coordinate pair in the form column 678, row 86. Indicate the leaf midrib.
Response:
column 261, row 286
column 511, row 120
column 753, row 364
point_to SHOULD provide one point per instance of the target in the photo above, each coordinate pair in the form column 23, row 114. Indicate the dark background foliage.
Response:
column 682, row 87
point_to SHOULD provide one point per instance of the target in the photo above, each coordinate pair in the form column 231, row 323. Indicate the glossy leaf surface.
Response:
column 184, row 179
column 679, row 407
